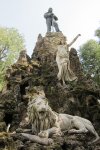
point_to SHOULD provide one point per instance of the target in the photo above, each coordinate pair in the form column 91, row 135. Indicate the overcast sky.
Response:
column 75, row 16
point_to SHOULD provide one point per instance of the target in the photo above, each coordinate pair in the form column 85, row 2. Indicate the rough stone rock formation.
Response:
column 41, row 69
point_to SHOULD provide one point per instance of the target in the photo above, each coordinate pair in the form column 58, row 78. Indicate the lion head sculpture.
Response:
column 40, row 114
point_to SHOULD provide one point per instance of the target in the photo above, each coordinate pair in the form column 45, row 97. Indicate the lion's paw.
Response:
column 50, row 141
column 43, row 134
column 58, row 133
column 72, row 131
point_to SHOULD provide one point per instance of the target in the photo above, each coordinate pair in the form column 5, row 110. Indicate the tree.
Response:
column 90, row 57
column 11, row 43
column 97, row 33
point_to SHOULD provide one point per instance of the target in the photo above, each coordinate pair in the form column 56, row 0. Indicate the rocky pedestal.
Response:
column 79, row 98
column 73, row 99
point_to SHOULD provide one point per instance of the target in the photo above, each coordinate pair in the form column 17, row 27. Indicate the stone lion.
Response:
column 46, row 122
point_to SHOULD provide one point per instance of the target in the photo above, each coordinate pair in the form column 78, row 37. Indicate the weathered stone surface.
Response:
column 79, row 98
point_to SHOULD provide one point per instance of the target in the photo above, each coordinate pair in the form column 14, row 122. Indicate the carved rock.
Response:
column 42, row 69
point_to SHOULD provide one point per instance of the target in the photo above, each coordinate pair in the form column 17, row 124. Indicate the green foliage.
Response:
column 90, row 57
column 11, row 43
column 97, row 33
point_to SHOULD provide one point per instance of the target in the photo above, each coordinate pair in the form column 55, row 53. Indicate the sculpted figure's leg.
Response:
column 48, row 25
column 59, row 73
column 37, row 139
column 64, row 84
column 83, row 126
column 93, row 131
column 56, row 26
column 60, row 76
column 80, row 127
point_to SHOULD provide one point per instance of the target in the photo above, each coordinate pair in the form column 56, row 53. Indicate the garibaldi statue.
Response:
column 51, row 20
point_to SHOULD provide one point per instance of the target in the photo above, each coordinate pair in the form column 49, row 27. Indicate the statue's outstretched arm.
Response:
column 74, row 40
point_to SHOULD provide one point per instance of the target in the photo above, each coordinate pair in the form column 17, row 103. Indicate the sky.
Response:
column 75, row 17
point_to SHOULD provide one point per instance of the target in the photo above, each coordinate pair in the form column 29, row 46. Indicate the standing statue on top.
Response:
column 62, row 58
column 51, row 20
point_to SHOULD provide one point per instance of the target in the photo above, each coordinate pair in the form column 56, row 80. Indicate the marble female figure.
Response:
column 62, row 58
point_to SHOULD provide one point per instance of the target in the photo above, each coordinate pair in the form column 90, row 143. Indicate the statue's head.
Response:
column 39, row 112
column 38, row 104
column 50, row 10
column 41, row 105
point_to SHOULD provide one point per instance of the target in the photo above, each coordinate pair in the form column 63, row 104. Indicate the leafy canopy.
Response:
column 11, row 43
column 90, row 58
column 97, row 33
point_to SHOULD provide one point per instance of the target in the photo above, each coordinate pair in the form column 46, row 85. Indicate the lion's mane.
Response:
column 39, row 121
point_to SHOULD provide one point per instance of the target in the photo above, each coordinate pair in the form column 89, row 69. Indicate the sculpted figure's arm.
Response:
column 48, row 14
column 55, row 17
column 74, row 40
